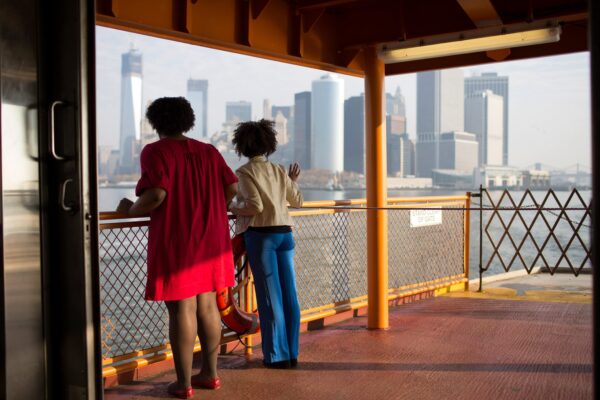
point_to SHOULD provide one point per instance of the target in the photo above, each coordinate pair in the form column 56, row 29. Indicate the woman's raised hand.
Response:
column 294, row 171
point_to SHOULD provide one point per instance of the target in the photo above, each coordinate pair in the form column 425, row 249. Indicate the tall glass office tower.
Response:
column 498, row 85
column 440, row 109
column 354, row 134
column 483, row 117
column 302, row 126
column 131, row 108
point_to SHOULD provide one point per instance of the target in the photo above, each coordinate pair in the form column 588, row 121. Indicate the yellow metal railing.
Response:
column 330, row 264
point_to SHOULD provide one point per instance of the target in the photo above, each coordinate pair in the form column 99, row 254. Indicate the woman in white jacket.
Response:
column 265, row 189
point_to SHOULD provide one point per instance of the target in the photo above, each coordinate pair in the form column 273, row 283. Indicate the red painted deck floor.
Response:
column 441, row 348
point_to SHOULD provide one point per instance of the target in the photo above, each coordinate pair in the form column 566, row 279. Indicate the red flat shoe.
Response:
column 186, row 393
column 206, row 383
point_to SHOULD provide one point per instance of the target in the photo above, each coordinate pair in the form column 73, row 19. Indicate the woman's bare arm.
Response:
column 230, row 192
column 149, row 200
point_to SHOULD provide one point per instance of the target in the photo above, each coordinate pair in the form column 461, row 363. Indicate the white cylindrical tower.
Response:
column 327, row 133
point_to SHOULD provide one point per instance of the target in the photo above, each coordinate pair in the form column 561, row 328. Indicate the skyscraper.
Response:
column 458, row 151
column 197, row 94
column 407, row 151
column 267, row 113
column 498, row 85
column 354, row 134
column 131, row 109
column 440, row 108
column 238, row 111
column 394, row 104
column 302, row 125
column 281, row 127
column 397, row 146
column 288, row 113
column 327, row 125
column 484, row 118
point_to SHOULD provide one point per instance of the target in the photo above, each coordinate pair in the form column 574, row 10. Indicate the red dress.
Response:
column 189, row 249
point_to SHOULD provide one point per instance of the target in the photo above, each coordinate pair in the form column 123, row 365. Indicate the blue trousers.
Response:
column 271, row 257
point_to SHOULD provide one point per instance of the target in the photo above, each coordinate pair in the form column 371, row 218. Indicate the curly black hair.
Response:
column 255, row 138
column 171, row 116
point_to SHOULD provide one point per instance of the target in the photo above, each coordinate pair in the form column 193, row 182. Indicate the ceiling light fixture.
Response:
column 467, row 42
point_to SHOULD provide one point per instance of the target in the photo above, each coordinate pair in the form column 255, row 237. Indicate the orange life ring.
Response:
column 235, row 319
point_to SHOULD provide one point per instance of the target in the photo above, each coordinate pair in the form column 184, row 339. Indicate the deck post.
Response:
column 376, row 177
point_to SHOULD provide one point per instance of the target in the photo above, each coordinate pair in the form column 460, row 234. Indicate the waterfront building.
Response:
column 238, row 111
column 536, row 179
column 302, row 126
column 458, row 151
column 498, row 85
column 452, row 179
column 354, row 134
column 197, row 94
column 327, row 124
column 497, row 177
column 440, row 108
column 131, row 109
column 484, row 118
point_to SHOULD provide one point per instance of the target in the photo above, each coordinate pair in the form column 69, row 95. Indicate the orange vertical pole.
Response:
column 376, row 171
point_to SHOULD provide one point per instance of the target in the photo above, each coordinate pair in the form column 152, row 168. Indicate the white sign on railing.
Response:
column 425, row 218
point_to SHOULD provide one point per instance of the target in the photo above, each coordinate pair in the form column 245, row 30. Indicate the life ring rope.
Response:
column 241, row 322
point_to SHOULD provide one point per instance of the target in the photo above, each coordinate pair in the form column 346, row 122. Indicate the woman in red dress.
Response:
column 185, row 187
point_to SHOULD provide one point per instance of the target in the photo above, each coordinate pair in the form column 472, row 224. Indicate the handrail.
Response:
column 110, row 215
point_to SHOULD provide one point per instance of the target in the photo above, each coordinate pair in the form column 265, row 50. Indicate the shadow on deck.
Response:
column 465, row 345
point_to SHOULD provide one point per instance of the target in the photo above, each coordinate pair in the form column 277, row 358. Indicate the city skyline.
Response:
column 560, row 84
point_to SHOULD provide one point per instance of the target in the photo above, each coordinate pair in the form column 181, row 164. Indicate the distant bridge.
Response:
column 570, row 169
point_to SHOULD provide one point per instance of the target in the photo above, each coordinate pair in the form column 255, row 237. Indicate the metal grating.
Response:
column 129, row 322
column 425, row 253
column 331, row 258
column 535, row 229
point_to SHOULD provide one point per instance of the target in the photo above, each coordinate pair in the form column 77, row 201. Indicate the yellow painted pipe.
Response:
column 376, row 178
column 467, row 243
column 248, row 293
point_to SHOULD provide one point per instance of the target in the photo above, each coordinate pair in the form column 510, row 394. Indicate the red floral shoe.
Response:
column 206, row 383
column 186, row 393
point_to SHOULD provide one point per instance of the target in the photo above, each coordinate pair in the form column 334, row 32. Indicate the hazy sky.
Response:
column 549, row 105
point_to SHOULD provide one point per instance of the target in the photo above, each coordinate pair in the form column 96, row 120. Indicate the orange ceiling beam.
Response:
column 332, row 34
column 272, row 29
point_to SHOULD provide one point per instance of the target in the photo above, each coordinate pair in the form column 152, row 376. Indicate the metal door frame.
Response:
column 69, row 219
